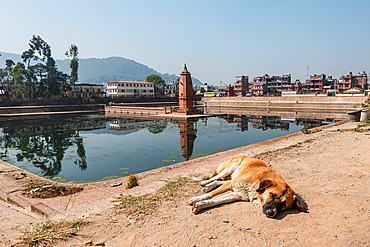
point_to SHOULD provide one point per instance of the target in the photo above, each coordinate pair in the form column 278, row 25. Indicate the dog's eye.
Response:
column 283, row 204
column 273, row 196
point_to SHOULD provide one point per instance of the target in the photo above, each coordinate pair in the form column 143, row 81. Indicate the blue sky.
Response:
column 216, row 39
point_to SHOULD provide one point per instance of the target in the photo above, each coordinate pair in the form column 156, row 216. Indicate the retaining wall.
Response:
column 52, row 109
column 136, row 110
column 324, row 104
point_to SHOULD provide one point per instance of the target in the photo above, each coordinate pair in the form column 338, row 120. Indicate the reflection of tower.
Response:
column 187, row 138
column 186, row 94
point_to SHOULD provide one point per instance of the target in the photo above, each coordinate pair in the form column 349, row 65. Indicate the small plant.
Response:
column 132, row 182
column 305, row 130
column 47, row 232
column 366, row 103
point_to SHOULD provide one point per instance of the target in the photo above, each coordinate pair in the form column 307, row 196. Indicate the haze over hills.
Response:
column 99, row 70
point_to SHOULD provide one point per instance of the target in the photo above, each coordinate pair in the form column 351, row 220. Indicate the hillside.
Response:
column 99, row 70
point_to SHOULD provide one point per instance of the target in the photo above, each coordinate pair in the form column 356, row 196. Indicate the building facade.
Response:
column 86, row 90
column 116, row 89
column 278, row 84
column 315, row 84
column 352, row 81
column 258, row 87
column 241, row 86
column 172, row 90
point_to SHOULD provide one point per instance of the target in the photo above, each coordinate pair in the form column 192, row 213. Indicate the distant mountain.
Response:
column 99, row 70
column 5, row 56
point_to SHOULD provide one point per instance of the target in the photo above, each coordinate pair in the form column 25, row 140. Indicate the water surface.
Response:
column 95, row 147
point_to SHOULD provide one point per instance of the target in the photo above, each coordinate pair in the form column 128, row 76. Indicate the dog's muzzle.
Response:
column 269, row 211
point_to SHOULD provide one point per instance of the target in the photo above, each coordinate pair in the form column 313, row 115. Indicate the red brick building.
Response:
column 241, row 85
column 314, row 84
column 352, row 81
column 275, row 85
column 258, row 86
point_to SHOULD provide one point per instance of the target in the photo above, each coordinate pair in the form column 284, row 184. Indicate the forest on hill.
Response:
column 99, row 70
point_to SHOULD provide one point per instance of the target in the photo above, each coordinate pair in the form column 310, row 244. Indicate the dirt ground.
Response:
column 330, row 170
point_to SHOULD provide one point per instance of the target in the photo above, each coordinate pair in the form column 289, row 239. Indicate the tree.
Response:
column 19, row 76
column 159, row 83
column 73, row 54
column 159, row 127
column 272, row 91
column 45, row 75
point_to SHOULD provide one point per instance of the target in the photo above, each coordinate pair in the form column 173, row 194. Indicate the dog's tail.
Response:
column 205, row 176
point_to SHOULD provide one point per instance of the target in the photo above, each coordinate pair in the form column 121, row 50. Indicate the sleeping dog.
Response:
column 246, row 179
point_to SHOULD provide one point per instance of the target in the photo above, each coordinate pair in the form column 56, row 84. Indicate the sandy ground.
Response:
column 328, row 169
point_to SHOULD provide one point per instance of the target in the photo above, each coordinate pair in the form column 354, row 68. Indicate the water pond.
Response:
column 96, row 147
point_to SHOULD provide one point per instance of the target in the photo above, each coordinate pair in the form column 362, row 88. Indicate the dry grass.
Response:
column 47, row 232
column 147, row 204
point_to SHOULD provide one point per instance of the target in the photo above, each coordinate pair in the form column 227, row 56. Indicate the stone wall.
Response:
column 52, row 109
column 136, row 110
column 291, row 103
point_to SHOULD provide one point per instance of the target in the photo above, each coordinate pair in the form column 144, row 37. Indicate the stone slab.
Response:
column 20, row 202
column 43, row 209
column 3, row 196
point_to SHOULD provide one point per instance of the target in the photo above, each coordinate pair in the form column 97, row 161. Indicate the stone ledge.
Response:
column 20, row 202
column 3, row 196
column 43, row 209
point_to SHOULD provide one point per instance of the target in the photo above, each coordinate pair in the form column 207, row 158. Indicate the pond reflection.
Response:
column 45, row 145
column 96, row 147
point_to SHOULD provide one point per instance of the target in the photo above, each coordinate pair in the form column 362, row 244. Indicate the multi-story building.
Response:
column 275, row 85
column 352, row 81
column 329, row 84
column 117, row 89
column 241, row 86
column 314, row 84
column 172, row 90
column 296, row 86
column 278, row 83
column 258, row 86
column 86, row 90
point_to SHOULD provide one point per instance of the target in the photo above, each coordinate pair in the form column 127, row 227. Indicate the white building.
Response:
column 117, row 89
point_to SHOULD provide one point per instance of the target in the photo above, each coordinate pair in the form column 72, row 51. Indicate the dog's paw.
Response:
column 195, row 208
column 204, row 183
column 193, row 200
column 207, row 189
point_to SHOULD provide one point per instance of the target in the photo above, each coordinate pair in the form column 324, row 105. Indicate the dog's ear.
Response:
column 298, row 204
column 264, row 185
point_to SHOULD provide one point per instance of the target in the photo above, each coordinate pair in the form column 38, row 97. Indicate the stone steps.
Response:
column 38, row 208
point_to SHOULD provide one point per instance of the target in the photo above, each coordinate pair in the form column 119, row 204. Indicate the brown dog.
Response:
column 251, row 180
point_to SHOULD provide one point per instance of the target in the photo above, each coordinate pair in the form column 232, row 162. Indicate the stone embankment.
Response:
column 289, row 106
column 295, row 103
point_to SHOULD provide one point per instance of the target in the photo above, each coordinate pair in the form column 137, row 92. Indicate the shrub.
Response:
column 132, row 182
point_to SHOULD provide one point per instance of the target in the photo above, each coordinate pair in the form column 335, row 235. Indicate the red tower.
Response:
column 186, row 94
